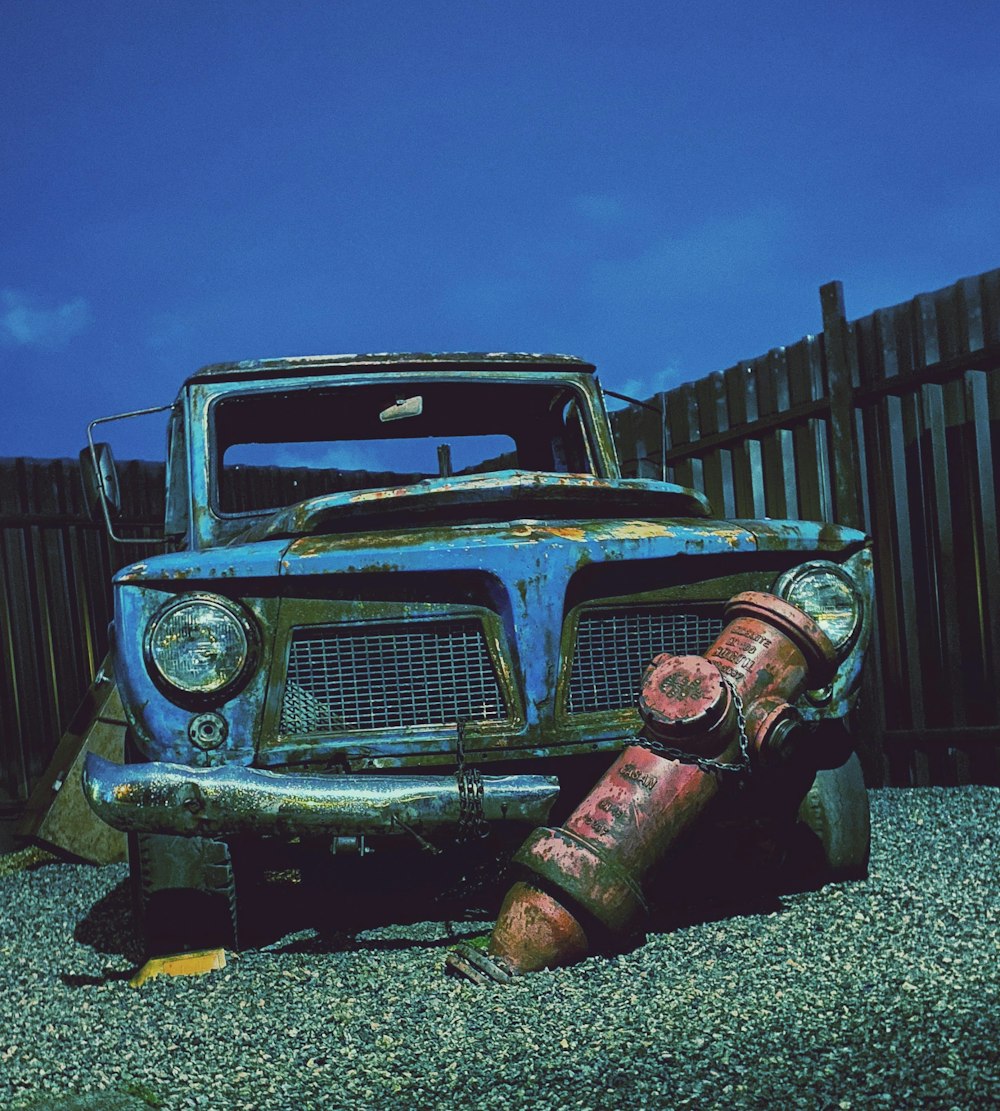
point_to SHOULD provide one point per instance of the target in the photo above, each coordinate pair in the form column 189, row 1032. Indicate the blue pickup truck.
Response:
column 406, row 599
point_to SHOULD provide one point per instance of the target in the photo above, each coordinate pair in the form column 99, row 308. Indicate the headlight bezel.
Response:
column 234, row 611
column 786, row 585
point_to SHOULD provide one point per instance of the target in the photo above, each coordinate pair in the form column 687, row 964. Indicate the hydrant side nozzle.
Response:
column 771, row 727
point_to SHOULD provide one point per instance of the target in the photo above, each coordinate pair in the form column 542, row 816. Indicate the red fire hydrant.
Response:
column 701, row 715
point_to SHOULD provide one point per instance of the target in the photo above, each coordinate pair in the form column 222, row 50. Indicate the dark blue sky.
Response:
column 660, row 188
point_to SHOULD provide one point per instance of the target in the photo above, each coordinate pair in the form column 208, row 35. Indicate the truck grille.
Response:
column 613, row 648
column 357, row 678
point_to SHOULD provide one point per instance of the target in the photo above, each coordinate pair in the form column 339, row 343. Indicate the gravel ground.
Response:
column 881, row 993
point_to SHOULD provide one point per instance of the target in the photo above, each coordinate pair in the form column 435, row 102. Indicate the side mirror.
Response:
column 100, row 482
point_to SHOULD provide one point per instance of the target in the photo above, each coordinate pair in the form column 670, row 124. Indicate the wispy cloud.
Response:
column 25, row 322
column 167, row 331
column 712, row 256
column 655, row 382
column 171, row 338
column 599, row 207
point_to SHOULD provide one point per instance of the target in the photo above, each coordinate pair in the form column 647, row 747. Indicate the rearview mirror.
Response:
column 404, row 407
column 100, row 482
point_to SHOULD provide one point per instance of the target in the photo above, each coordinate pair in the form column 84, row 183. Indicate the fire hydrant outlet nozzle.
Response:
column 698, row 713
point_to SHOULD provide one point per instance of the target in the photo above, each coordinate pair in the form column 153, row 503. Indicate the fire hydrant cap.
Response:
column 682, row 696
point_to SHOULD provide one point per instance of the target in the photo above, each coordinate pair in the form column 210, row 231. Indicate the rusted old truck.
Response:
column 407, row 600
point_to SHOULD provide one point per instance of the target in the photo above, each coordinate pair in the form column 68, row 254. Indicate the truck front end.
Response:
column 415, row 598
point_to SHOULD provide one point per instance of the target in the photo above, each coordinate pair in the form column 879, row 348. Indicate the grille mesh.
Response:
column 359, row 678
column 613, row 648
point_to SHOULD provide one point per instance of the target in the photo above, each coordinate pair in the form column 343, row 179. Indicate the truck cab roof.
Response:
column 400, row 361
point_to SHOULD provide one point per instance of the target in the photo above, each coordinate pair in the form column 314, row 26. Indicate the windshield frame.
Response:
column 206, row 396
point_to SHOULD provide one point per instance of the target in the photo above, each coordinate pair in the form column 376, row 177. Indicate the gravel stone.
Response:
column 875, row 994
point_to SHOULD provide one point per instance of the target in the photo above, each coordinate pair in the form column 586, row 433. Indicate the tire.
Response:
column 837, row 823
column 184, row 895
column 183, row 888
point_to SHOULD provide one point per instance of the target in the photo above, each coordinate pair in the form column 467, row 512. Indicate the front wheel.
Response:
column 835, row 822
column 183, row 892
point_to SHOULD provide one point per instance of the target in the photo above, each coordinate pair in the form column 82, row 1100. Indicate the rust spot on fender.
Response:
column 568, row 532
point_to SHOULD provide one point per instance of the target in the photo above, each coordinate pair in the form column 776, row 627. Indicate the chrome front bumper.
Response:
column 174, row 798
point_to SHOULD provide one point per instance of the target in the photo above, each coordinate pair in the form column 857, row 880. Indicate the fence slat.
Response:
column 765, row 375
column 16, row 637
column 707, row 418
column 839, row 365
column 806, row 461
column 745, row 501
column 949, row 657
column 983, row 513
column 720, row 401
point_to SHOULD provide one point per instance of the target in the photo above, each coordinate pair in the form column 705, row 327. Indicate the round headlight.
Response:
column 200, row 644
column 827, row 593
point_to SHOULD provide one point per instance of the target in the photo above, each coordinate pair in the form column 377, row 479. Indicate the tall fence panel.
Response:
column 55, row 601
column 889, row 423
column 928, row 402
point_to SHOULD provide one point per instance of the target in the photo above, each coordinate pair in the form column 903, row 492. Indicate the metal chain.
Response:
column 471, row 819
column 703, row 762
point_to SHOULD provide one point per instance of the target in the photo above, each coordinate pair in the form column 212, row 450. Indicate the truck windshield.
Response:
column 277, row 448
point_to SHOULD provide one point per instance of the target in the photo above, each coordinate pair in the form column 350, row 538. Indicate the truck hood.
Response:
column 497, row 496
column 488, row 545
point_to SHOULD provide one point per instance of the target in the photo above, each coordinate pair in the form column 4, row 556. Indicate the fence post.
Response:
column 843, row 451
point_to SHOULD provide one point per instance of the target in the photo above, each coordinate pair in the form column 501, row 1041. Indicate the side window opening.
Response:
column 573, row 440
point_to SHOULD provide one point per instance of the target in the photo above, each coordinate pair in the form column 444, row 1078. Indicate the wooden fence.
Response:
column 55, row 601
column 888, row 423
